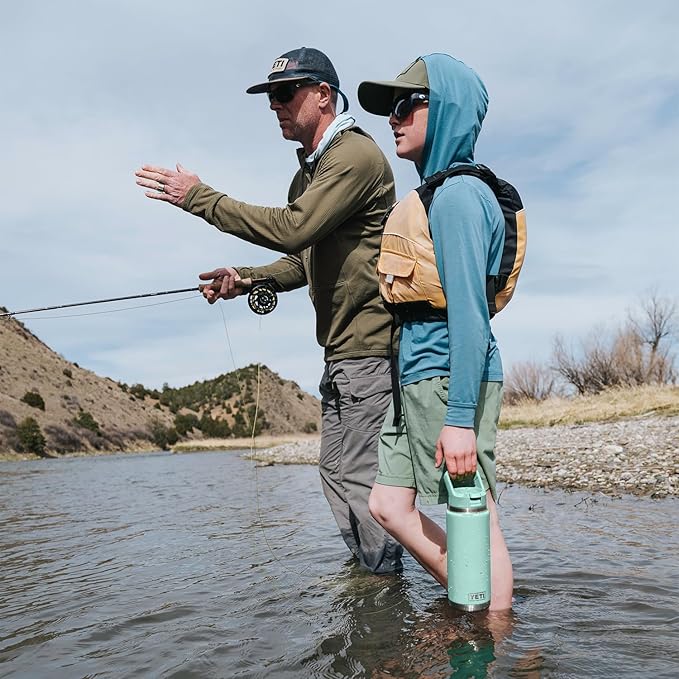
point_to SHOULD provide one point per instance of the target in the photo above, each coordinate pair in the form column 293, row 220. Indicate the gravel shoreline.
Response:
column 638, row 456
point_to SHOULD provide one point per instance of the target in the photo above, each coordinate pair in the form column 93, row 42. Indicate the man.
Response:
column 330, row 231
column 450, row 367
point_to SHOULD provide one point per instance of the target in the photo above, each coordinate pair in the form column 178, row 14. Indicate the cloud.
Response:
column 582, row 119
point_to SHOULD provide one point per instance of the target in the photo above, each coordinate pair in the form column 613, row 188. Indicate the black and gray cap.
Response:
column 304, row 63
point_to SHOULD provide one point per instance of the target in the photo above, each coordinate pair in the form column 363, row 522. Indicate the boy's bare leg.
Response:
column 394, row 508
column 501, row 574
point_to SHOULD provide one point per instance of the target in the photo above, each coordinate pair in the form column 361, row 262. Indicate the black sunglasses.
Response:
column 403, row 106
column 285, row 92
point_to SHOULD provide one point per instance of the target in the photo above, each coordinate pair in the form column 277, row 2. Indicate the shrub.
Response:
column 94, row 438
column 161, row 435
column 138, row 390
column 529, row 381
column 62, row 440
column 68, row 372
column 184, row 423
column 86, row 421
column 216, row 428
column 310, row 428
column 29, row 437
column 70, row 401
column 7, row 419
column 33, row 399
column 242, row 423
column 116, row 439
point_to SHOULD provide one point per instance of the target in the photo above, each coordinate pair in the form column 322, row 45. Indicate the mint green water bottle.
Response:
column 468, row 542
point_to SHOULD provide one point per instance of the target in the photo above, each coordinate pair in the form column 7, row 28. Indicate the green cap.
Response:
column 465, row 498
column 377, row 96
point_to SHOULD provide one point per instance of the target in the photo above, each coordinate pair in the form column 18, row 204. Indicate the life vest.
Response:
column 408, row 277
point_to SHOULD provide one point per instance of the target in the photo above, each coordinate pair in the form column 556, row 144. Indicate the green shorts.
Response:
column 407, row 450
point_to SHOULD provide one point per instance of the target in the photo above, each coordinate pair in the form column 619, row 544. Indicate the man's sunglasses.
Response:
column 285, row 92
column 403, row 106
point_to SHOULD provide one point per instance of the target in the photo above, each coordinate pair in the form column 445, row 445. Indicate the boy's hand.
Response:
column 457, row 445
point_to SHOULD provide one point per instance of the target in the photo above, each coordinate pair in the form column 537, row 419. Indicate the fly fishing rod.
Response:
column 262, row 299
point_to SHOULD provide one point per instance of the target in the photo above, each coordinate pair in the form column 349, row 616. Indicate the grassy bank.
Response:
column 259, row 443
column 609, row 406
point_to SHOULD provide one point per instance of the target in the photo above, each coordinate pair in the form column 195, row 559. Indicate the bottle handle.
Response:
column 452, row 491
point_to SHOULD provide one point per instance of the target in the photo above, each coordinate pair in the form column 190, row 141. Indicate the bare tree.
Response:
column 593, row 370
column 529, row 381
column 655, row 321
column 565, row 364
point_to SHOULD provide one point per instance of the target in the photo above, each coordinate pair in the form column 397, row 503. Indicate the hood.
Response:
column 457, row 106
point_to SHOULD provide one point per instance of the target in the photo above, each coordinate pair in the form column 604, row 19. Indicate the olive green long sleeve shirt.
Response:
column 330, row 231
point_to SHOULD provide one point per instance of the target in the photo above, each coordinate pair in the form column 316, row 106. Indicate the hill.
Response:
column 51, row 406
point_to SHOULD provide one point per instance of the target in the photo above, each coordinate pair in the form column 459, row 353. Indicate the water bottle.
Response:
column 468, row 542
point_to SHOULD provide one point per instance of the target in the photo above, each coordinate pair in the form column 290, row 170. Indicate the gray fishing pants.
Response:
column 355, row 395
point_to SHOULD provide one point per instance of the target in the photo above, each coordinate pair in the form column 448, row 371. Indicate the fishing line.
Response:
column 253, row 434
column 370, row 591
column 254, row 427
column 379, row 610
column 228, row 343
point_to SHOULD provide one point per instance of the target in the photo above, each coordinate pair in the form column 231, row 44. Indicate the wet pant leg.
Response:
column 355, row 396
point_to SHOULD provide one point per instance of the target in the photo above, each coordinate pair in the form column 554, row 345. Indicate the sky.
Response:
column 583, row 120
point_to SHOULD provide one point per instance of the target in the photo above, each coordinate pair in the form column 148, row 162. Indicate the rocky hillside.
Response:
column 49, row 405
column 230, row 401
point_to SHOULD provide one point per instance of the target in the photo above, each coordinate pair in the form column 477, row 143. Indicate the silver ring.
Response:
column 161, row 188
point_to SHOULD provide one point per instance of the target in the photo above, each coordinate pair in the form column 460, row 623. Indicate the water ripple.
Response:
column 204, row 566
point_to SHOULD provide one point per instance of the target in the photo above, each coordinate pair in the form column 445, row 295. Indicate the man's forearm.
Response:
column 287, row 273
column 269, row 227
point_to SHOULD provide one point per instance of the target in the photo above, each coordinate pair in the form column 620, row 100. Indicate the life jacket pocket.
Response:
column 396, row 275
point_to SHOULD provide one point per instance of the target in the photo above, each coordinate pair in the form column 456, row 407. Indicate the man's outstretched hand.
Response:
column 167, row 185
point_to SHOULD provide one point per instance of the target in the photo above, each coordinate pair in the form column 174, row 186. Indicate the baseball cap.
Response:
column 304, row 63
column 377, row 96
column 301, row 64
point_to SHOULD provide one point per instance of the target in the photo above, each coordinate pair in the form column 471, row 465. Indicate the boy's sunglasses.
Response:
column 403, row 106
column 285, row 92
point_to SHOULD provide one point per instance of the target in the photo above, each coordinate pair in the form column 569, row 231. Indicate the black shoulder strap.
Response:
column 430, row 184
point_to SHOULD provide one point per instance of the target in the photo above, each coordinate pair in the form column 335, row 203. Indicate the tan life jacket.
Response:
column 406, row 265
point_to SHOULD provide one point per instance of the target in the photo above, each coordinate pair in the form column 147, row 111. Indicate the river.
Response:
column 204, row 565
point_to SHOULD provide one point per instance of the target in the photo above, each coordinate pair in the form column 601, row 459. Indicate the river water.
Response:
column 204, row 565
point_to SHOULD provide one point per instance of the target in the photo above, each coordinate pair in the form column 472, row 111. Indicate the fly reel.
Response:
column 262, row 298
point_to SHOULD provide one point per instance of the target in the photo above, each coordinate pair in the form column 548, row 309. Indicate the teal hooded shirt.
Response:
column 467, row 228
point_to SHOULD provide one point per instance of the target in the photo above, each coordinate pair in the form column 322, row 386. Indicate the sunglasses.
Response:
column 285, row 92
column 403, row 106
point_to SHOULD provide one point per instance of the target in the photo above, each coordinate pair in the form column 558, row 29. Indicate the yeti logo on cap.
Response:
column 279, row 65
